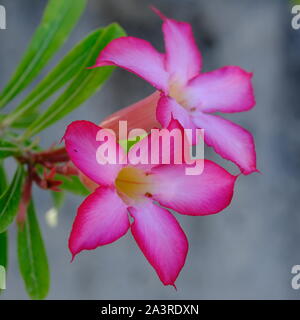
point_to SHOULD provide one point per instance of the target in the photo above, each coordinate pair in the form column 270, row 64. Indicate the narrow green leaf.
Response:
column 25, row 120
column 73, row 185
column 3, row 180
column 128, row 144
column 85, row 84
column 10, row 199
column 58, row 199
column 56, row 79
column 33, row 262
column 58, row 21
column 3, row 257
column 2, row 117
column 3, row 235
column 7, row 149
column 22, row 122
column 3, row 249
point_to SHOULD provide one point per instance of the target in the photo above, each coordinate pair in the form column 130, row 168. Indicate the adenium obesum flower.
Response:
column 144, row 192
column 187, row 94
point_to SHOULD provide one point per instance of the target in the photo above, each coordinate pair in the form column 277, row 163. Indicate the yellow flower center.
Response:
column 176, row 92
column 133, row 184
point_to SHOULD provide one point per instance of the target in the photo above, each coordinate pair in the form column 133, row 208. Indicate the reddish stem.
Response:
column 25, row 198
column 49, row 159
column 53, row 156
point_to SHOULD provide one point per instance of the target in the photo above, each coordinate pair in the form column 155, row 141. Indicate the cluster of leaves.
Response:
column 18, row 128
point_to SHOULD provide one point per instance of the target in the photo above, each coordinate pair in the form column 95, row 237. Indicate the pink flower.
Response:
column 187, row 94
column 103, row 216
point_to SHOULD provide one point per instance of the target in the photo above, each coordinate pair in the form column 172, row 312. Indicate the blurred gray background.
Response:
column 248, row 250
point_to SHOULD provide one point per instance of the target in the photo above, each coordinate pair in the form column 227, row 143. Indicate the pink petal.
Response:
column 174, row 149
column 228, row 89
column 138, row 56
column 207, row 193
column 81, row 145
column 168, row 108
column 139, row 115
column 231, row 141
column 161, row 240
column 183, row 58
column 101, row 219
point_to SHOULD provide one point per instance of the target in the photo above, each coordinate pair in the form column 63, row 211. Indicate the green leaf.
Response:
column 3, row 255
column 3, row 249
column 3, row 252
column 85, row 84
column 58, row 199
column 3, row 180
column 56, row 79
column 7, row 149
column 3, row 235
column 33, row 262
column 128, row 144
column 21, row 122
column 10, row 199
column 58, row 21
column 72, row 184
